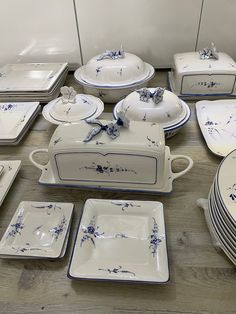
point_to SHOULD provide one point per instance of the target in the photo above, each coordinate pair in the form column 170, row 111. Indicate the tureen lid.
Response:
column 73, row 107
column 154, row 105
column 115, row 68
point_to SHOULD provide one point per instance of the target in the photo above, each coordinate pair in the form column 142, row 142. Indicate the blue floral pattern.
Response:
column 117, row 270
column 155, row 239
column 232, row 194
column 107, row 168
column 90, row 232
column 17, row 226
column 8, row 107
column 58, row 230
column 48, row 207
column 124, row 205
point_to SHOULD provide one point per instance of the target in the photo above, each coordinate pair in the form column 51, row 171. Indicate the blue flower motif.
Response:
column 90, row 232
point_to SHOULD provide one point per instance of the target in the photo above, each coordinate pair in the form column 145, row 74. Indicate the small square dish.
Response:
column 122, row 241
column 37, row 229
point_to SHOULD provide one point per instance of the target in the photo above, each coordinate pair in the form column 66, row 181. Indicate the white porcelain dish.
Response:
column 121, row 240
column 14, row 117
column 217, row 121
column 171, row 112
column 30, row 76
column 17, row 140
column 113, row 69
column 8, row 175
column 112, row 78
column 37, row 229
column 86, row 107
column 194, row 77
column 108, row 163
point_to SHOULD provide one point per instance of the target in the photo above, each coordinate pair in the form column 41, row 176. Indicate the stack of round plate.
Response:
column 222, row 206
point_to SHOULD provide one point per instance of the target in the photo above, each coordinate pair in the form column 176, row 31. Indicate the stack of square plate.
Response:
column 221, row 210
column 121, row 240
column 32, row 81
column 37, row 230
column 15, row 120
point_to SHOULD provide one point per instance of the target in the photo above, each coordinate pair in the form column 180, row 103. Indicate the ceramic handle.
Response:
column 45, row 150
column 190, row 164
column 203, row 203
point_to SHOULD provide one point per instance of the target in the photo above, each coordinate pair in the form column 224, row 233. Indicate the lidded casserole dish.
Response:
column 104, row 155
column 204, row 73
column 155, row 105
column 113, row 74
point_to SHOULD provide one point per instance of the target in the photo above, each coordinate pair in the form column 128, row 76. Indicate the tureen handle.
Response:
column 190, row 164
column 41, row 167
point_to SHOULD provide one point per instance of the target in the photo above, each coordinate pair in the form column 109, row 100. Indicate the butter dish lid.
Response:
column 154, row 105
column 103, row 135
column 71, row 107
column 115, row 68
column 192, row 62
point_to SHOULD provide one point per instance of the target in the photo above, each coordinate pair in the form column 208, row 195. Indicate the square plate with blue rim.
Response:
column 121, row 240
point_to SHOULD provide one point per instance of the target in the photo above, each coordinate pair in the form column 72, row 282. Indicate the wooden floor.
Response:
column 202, row 279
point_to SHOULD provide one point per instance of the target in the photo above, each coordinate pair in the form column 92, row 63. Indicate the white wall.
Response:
column 152, row 29
column 218, row 24
column 38, row 31
column 59, row 30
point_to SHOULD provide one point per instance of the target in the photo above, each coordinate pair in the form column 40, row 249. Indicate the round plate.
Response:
column 99, row 104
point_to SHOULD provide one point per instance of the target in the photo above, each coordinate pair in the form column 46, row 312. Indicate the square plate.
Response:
column 8, row 175
column 14, row 117
column 30, row 76
column 37, row 229
column 121, row 240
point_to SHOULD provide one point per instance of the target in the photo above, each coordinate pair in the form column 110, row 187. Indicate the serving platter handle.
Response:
column 189, row 166
column 36, row 164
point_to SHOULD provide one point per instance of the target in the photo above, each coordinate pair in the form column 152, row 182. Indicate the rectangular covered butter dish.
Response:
column 205, row 73
column 99, row 155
